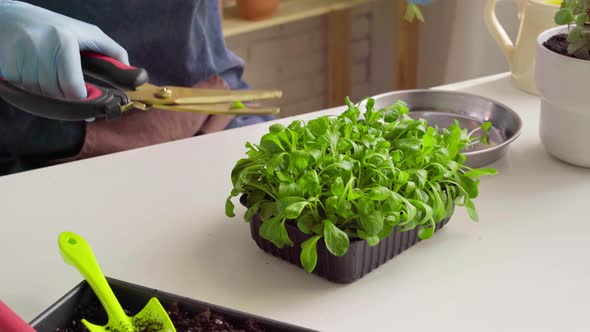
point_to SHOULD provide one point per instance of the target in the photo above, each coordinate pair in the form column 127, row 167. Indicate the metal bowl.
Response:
column 441, row 108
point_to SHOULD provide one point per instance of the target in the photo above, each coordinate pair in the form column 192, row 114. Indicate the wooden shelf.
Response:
column 288, row 11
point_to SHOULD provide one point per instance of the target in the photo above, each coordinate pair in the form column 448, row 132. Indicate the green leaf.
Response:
column 336, row 240
column 309, row 255
column 471, row 210
column 389, row 224
column 290, row 189
column 229, row 207
column 344, row 164
column 412, row 12
column 372, row 223
column 305, row 223
column 370, row 104
column 337, row 187
column 438, row 206
column 267, row 210
column 564, row 16
column 252, row 210
column 294, row 210
column 372, row 240
column 364, row 205
column 271, row 143
column 469, row 185
column 274, row 231
column 426, row 232
column 310, row 183
column 332, row 204
column 319, row 126
column 379, row 193
column 284, row 176
column 481, row 172
column 276, row 128
column 284, row 202
column 299, row 159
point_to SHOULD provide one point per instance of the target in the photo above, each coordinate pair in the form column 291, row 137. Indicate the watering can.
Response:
column 535, row 16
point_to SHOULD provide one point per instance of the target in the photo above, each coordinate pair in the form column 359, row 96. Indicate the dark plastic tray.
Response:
column 356, row 263
column 133, row 297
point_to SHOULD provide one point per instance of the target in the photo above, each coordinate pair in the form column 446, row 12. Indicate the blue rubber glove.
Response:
column 420, row 2
column 40, row 49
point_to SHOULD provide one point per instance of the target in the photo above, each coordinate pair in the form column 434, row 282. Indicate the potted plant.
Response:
column 341, row 195
column 82, row 303
column 563, row 67
column 186, row 314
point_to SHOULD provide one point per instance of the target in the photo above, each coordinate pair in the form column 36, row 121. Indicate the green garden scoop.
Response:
column 153, row 317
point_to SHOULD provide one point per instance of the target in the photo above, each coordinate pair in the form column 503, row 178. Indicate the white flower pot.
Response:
column 564, row 87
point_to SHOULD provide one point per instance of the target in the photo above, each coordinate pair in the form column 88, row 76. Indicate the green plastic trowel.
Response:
column 153, row 317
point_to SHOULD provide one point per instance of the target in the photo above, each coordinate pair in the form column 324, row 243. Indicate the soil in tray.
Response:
column 558, row 44
column 205, row 321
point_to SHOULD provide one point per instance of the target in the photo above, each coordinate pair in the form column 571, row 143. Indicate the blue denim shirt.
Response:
column 180, row 42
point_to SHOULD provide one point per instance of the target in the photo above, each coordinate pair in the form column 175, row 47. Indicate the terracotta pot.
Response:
column 255, row 10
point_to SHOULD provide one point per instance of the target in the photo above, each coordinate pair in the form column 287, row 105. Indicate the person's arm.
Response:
column 40, row 49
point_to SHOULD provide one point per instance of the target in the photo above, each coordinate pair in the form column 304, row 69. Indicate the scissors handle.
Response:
column 101, row 101
column 109, row 72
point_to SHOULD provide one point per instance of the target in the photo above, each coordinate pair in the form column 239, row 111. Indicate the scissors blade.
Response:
column 215, row 109
column 156, row 95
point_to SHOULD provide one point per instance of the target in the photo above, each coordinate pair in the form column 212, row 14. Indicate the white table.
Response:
column 155, row 217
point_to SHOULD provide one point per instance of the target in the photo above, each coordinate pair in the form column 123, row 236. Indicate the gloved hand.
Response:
column 420, row 2
column 40, row 49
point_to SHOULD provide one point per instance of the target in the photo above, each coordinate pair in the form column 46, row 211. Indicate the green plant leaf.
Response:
column 284, row 202
column 379, row 193
column 299, row 159
column 413, row 12
column 426, row 232
column 564, row 16
column 332, row 204
column 336, row 240
column 290, row 189
column 305, row 223
column 276, row 128
column 371, row 223
column 467, row 184
column 310, row 183
column 229, row 207
column 267, row 210
column 337, row 187
column 274, row 231
column 481, row 172
column 251, row 211
column 372, row 240
column 389, row 224
column 471, row 210
column 294, row 210
column 309, row 255
column 319, row 126
column 271, row 143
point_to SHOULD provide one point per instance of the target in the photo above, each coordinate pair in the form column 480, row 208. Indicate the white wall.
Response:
column 455, row 44
column 292, row 57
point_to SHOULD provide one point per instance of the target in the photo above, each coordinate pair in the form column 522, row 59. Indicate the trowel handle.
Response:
column 77, row 252
column 11, row 322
